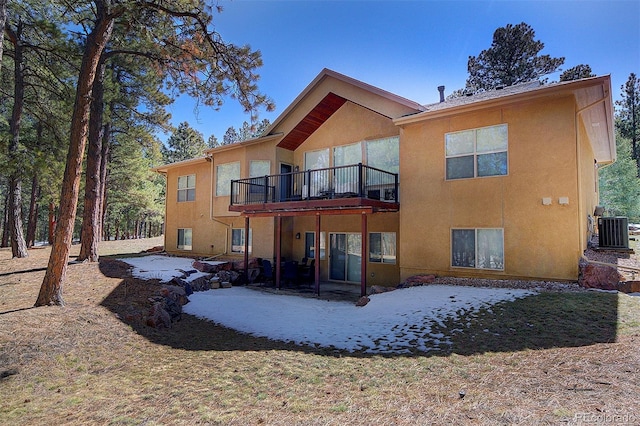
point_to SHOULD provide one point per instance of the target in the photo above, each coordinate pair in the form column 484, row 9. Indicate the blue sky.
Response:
column 408, row 47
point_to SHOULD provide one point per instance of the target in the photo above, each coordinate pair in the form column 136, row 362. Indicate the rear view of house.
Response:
column 375, row 188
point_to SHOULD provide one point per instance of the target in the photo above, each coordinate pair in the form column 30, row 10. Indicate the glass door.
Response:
column 345, row 257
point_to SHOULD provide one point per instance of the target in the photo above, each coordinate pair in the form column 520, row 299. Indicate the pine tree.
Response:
column 512, row 58
column 576, row 73
column 185, row 143
column 620, row 185
column 629, row 116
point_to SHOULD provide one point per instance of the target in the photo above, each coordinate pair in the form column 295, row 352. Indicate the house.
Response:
column 378, row 188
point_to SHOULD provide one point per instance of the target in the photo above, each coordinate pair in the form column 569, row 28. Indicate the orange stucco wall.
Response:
column 540, row 241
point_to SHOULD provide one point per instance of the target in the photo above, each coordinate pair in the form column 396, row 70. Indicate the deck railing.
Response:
column 357, row 180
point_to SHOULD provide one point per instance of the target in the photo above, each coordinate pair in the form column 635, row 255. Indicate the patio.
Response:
column 330, row 291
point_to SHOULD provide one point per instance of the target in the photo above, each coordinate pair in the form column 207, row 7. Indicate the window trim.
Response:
column 382, row 254
column 185, row 247
column 475, row 260
column 186, row 189
column 475, row 154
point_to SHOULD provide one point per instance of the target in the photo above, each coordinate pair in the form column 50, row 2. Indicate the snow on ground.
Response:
column 392, row 322
column 163, row 268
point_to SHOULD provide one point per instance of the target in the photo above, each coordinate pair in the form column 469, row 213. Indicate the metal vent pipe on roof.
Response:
column 441, row 90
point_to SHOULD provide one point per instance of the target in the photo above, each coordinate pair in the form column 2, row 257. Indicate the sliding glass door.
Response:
column 345, row 257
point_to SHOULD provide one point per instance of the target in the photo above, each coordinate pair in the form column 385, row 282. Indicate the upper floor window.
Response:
column 186, row 188
column 225, row 173
column 258, row 169
column 477, row 153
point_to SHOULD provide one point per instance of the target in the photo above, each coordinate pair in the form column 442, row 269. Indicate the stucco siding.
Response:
column 541, row 164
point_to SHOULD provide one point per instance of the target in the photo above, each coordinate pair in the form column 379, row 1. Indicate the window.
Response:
column 184, row 239
column 225, row 173
column 384, row 154
column 477, row 153
column 237, row 240
column 382, row 247
column 310, row 245
column 477, row 248
column 186, row 188
column 258, row 169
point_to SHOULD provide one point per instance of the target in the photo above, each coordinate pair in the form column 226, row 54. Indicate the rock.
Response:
column 362, row 301
column 418, row 280
column 226, row 284
column 215, row 283
column 377, row 289
column 158, row 317
column 205, row 267
column 592, row 275
column 629, row 287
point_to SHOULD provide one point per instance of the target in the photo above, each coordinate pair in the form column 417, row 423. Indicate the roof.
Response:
column 324, row 96
column 164, row 168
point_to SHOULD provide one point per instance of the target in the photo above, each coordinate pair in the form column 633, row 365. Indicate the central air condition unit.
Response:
column 613, row 232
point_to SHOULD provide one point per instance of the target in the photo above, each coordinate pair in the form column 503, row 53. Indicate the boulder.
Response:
column 362, row 301
column 629, row 287
column 377, row 289
column 205, row 267
column 592, row 275
column 418, row 280
column 158, row 317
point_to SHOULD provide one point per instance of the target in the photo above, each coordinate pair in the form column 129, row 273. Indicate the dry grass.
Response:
column 541, row 360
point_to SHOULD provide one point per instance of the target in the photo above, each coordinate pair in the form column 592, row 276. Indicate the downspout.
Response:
column 226, row 225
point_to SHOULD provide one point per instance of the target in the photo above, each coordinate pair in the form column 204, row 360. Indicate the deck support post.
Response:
column 278, row 250
column 246, row 249
column 317, row 255
column 364, row 258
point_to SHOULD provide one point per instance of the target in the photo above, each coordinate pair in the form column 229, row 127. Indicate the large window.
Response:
column 384, row 154
column 186, row 188
column 258, row 169
column 184, row 239
column 310, row 245
column 237, row 240
column 225, row 173
column 477, row 153
column 382, row 247
column 477, row 248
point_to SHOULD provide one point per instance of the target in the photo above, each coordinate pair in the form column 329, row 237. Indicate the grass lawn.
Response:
column 553, row 358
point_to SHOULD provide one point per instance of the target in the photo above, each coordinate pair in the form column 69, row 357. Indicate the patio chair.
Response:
column 267, row 271
column 308, row 273
column 290, row 273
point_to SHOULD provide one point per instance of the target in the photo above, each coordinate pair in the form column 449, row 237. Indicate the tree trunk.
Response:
column 16, row 233
column 3, row 18
column 90, row 235
column 32, row 224
column 102, row 199
column 5, row 222
column 51, row 289
column 52, row 221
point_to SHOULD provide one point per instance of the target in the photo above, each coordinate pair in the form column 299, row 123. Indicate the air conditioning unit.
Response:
column 613, row 232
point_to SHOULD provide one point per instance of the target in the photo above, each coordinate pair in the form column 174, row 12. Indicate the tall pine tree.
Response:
column 514, row 57
column 185, row 143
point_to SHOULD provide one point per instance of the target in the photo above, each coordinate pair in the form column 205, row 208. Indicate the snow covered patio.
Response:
column 394, row 322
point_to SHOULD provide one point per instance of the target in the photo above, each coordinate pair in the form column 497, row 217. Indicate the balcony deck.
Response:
column 335, row 190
